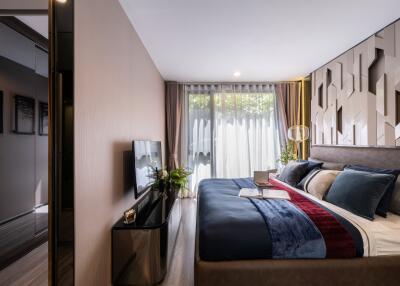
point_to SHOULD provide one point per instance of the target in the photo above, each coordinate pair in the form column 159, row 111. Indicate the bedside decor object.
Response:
column 24, row 115
column 129, row 216
column 176, row 178
column 43, row 118
column 161, row 179
column 287, row 155
column 298, row 134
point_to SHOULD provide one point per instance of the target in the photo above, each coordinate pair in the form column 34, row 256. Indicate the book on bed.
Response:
column 264, row 193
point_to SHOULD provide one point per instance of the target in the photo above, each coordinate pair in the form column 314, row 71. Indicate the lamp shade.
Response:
column 298, row 133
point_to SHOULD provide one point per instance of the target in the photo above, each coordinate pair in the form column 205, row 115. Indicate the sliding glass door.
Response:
column 231, row 130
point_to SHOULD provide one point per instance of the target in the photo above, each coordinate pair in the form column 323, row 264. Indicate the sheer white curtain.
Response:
column 231, row 130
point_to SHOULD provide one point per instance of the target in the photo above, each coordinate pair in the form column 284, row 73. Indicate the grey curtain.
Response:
column 289, row 100
column 174, row 109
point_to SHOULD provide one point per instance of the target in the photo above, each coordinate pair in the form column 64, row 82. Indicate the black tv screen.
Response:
column 146, row 158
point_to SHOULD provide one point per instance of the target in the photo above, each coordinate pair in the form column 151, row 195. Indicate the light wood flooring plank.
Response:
column 181, row 271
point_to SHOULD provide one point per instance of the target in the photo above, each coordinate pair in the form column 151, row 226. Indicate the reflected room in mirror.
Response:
column 147, row 159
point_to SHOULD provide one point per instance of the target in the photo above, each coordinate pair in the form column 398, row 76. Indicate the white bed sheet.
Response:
column 380, row 236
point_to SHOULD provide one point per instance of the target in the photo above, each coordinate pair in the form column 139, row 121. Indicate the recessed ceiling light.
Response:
column 62, row 1
column 236, row 74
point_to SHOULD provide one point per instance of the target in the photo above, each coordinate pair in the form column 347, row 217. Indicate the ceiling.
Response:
column 38, row 23
column 266, row 40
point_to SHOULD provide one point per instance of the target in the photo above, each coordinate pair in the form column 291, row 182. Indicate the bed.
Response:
column 374, row 261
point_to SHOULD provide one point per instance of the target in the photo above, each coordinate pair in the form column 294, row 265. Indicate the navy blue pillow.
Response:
column 359, row 192
column 312, row 165
column 383, row 206
column 293, row 172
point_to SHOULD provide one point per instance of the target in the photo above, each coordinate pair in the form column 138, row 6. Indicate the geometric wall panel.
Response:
column 380, row 95
column 356, row 97
column 321, row 96
column 349, row 84
column 339, row 121
column 339, row 75
column 397, row 108
column 397, row 131
column 357, row 73
column 376, row 70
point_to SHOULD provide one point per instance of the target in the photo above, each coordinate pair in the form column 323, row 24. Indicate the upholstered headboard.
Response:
column 375, row 157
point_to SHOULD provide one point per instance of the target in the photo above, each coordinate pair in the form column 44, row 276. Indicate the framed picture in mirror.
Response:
column 43, row 118
column 24, row 115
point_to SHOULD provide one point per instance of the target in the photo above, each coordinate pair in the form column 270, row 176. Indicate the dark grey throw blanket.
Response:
column 293, row 234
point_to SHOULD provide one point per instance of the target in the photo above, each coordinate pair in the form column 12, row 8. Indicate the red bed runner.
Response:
column 339, row 243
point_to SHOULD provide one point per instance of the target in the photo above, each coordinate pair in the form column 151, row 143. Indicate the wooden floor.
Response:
column 28, row 270
column 181, row 271
column 21, row 235
column 32, row 268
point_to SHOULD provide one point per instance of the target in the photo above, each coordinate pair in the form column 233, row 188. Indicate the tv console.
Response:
column 142, row 251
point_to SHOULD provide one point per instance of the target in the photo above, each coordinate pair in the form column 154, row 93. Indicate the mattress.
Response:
column 380, row 236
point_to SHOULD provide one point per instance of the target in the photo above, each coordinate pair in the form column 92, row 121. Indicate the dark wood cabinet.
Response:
column 142, row 251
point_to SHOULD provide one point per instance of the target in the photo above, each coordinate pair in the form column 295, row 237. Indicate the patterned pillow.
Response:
column 307, row 177
column 319, row 184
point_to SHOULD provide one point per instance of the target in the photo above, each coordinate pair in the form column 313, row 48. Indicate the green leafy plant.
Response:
column 178, row 178
column 288, row 154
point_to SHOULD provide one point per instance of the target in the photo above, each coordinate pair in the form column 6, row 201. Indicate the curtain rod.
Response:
column 237, row 82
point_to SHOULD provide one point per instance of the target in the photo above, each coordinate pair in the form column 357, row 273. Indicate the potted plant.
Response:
column 161, row 179
column 178, row 178
column 288, row 154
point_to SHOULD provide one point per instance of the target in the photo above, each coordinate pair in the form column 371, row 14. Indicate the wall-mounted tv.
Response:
column 146, row 158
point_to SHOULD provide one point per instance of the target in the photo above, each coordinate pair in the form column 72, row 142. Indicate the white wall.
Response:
column 119, row 96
